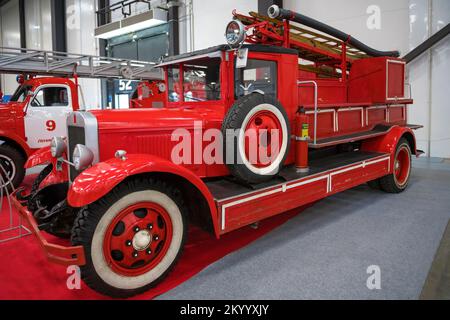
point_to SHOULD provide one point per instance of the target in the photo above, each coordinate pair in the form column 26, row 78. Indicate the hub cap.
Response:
column 142, row 240
column 402, row 166
column 138, row 239
column 262, row 123
column 7, row 170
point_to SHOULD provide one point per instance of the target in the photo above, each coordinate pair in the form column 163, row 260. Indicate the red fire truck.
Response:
column 148, row 94
column 115, row 188
column 36, row 112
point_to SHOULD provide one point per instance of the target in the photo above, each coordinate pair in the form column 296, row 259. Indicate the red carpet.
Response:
column 26, row 274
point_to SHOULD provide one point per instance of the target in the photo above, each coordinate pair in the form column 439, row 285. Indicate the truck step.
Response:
column 378, row 130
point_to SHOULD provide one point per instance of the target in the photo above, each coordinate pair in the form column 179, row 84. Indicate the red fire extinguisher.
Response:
column 301, row 141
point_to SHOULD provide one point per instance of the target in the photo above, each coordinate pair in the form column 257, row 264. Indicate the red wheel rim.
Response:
column 259, row 128
column 138, row 239
column 402, row 166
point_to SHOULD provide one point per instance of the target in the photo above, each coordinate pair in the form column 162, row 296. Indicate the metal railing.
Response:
column 104, row 14
column 53, row 63
column 316, row 104
column 14, row 229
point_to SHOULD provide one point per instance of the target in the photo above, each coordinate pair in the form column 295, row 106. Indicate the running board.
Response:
column 240, row 206
column 414, row 126
column 379, row 130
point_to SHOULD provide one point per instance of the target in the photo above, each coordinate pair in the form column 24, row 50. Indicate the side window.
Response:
column 258, row 75
column 174, row 85
column 51, row 97
column 202, row 80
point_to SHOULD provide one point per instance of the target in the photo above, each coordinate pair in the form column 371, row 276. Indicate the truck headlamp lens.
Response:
column 235, row 33
column 58, row 147
column 82, row 157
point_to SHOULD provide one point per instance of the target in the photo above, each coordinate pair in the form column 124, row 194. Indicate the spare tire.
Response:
column 263, row 114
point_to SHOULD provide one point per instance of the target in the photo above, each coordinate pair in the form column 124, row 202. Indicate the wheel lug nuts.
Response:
column 137, row 229
column 156, row 238
column 135, row 254
column 149, row 251
column 150, row 226
column 128, row 243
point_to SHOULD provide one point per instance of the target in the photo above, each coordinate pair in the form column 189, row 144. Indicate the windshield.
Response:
column 200, row 81
column 21, row 93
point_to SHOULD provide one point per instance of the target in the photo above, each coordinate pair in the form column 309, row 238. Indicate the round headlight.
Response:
column 235, row 33
column 82, row 157
column 58, row 147
column 162, row 87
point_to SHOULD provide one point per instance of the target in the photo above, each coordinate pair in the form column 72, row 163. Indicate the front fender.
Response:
column 97, row 181
column 40, row 157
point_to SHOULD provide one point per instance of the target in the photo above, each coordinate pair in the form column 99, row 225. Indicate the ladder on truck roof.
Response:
column 303, row 39
column 327, row 51
column 52, row 63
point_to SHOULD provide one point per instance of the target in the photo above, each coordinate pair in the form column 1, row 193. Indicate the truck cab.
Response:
column 36, row 113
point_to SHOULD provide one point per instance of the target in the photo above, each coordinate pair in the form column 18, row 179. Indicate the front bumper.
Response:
column 66, row 256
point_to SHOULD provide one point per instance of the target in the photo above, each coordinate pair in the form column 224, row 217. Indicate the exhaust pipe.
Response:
column 275, row 12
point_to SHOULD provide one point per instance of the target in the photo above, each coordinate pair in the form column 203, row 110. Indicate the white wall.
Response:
column 10, row 35
column 211, row 18
column 359, row 19
column 38, row 24
column 429, row 76
column 81, row 23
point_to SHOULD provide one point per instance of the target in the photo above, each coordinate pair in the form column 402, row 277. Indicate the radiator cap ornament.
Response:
column 121, row 155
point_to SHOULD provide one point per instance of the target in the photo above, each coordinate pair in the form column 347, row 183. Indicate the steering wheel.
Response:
column 193, row 98
column 36, row 103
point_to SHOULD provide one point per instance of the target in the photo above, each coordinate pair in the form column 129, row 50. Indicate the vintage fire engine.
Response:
column 114, row 187
column 36, row 113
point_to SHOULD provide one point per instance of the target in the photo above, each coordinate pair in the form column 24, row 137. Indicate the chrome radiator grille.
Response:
column 76, row 135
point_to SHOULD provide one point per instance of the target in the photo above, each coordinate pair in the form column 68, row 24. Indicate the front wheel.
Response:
column 398, row 181
column 132, row 237
column 12, row 170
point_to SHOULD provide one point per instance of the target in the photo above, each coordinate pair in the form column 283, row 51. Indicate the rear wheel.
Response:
column 375, row 184
column 132, row 237
column 398, row 181
column 12, row 170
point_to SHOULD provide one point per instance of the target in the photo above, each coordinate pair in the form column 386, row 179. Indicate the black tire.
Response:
column 375, row 184
column 235, row 119
column 13, row 161
column 88, row 218
column 390, row 183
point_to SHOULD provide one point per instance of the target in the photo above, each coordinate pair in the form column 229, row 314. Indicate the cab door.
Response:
column 46, row 115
